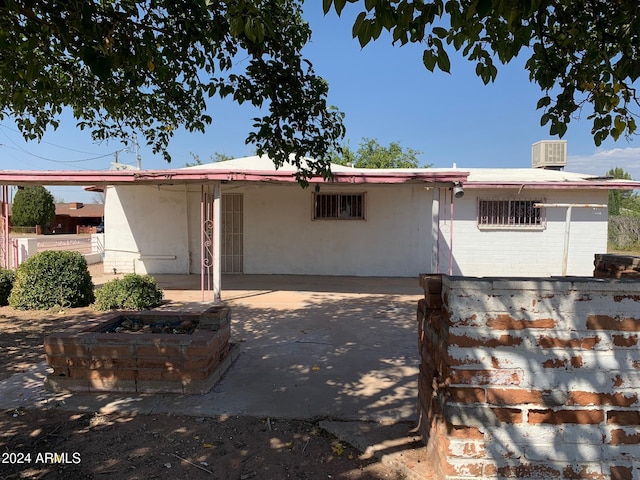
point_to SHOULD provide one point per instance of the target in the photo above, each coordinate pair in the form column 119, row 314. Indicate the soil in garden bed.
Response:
column 135, row 325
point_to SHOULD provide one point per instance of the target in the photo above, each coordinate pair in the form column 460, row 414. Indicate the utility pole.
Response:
column 138, row 159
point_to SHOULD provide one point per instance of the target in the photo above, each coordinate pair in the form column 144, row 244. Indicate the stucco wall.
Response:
column 281, row 237
column 530, row 378
column 146, row 230
column 515, row 252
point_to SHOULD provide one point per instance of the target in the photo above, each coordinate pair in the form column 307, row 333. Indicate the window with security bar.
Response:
column 511, row 214
column 338, row 206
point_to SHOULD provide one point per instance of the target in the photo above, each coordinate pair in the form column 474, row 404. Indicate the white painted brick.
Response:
column 593, row 434
column 504, row 450
column 459, row 448
column 621, row 453
column 590, row 469
column 561, row 452
column 625, row 379
column 522, row 434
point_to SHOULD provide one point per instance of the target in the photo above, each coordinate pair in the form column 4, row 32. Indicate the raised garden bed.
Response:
column 145, row 352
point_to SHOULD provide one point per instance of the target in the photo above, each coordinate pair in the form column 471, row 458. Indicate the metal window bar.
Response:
column 509, row 213
column 336, row 206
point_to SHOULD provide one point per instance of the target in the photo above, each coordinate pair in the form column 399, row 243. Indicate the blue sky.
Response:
column 385, row 93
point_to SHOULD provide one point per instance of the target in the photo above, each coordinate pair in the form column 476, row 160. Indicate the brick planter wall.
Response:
column 616, row 266
column 87, row 359
column 530, row 378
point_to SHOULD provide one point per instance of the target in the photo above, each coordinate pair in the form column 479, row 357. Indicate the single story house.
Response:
column 77, row 217
column 474, row 222
column 243, row 216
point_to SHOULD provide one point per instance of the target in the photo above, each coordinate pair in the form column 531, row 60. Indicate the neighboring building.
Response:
column 74, row 217
column 77, row 217
column 366, row 223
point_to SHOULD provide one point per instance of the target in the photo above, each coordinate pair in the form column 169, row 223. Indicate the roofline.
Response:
column 194, row 176
column 546, row 185
column 128, row 177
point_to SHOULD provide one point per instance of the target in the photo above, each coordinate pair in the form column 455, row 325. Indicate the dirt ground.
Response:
column 54, row 444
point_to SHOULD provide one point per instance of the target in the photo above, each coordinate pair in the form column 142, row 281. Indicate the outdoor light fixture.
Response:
column 458, row 191
column 317, row 189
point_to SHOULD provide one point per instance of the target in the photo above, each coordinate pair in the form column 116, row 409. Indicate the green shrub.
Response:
column 131, row 292
column 7, row 277
column 50, row 279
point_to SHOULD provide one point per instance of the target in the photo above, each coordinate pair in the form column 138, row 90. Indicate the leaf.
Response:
column 339, row 5
column 444, row 63
column 429, row 60
column 543, row 102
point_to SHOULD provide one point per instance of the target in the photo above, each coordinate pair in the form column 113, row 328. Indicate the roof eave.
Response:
column 573, row 185
column 128, row 177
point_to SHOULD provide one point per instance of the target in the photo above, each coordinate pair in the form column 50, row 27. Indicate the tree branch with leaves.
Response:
column 580, row 53
column 148, row 67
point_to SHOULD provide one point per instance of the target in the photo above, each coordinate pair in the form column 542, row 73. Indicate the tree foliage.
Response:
column 370, row 154
column 33, row 205
column 579, row 52
column 622, row 201
column 149, row 66
column 216, row 157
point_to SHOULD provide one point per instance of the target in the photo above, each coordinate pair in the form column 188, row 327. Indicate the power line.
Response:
column 50, row 143
column 23, row 150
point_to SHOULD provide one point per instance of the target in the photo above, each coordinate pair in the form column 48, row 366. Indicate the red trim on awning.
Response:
column 126, row 177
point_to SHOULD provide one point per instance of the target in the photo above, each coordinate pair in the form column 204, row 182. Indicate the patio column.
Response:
column 435, row 231
column 211, row 240
column 217, row 243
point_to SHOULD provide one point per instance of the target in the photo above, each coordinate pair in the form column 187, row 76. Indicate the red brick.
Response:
column 111, row 351
column 513, row 396
column 590, row 398
column 508, row 415
column 576, row 362
column 501, row 341
column 486, row 377
column 623, row 417
column 554, row 363
column 199, row 362
column 204, row 350
column 158, row 362
column 507, row 322
column 112, row 384
column 57, row 361
column 158, row 350
column 581, row 417
column 553, row 342
column 620, row 437
column 582, row 472
column 464, row 432
column 619, row 472
column 625, row 341
column 463, row 469
column 90, row 374
column 606, row 322
column 467, row 395
column 145, row 374
column 528, row 471
column 53, row 347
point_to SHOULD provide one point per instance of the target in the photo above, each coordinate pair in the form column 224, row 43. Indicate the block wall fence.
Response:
column 530, row 378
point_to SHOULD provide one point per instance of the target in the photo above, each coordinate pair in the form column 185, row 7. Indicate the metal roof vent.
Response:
column 549, row 154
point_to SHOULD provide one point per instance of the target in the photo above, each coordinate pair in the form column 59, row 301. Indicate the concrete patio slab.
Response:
column 332, row 347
